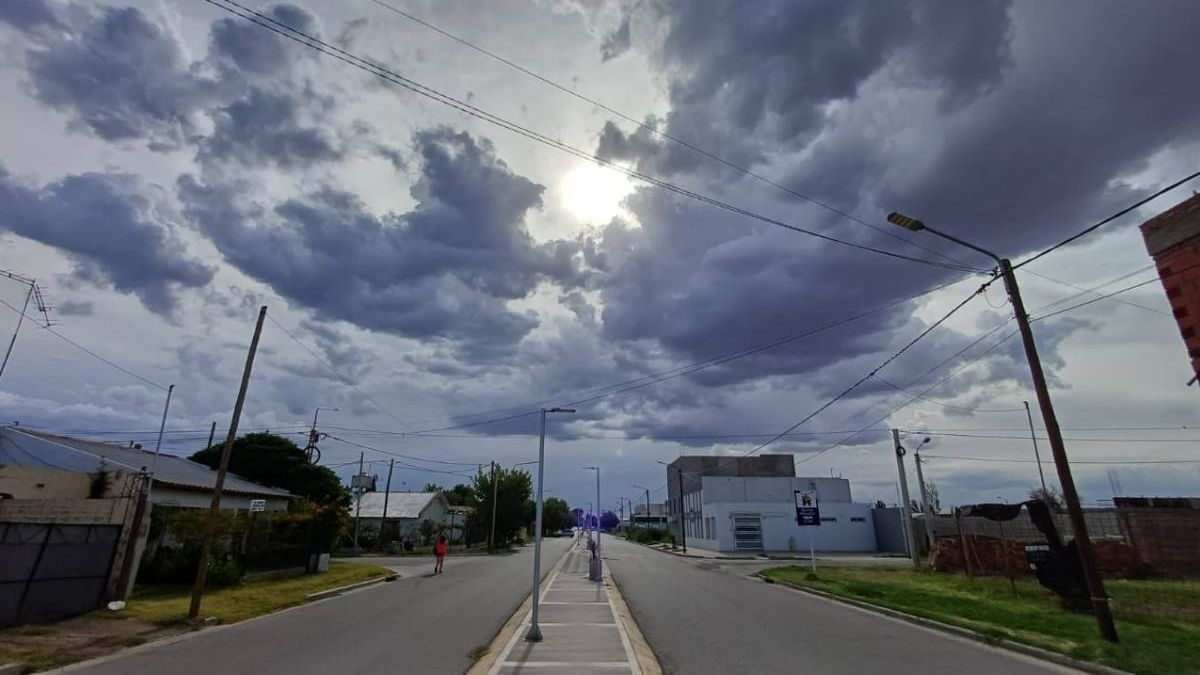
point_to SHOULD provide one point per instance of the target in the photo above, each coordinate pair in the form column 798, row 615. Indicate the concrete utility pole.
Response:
column 495, row 492
column 387, row 492
column 682, row 522
column 35, row 293
column 212, row 431
column 1083, row 542
column 596, row 568
column 358, row 505
column 926, row 506
column 1036, row 454
column 214, row 509
column 162, row 427
column 907, row 502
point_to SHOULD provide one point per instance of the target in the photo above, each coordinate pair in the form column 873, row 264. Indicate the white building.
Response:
column 405, row 511
column 729, row 506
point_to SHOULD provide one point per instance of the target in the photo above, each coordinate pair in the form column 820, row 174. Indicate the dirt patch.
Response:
column 42, row 647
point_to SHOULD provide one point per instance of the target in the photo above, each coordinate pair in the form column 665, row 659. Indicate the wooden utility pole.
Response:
column 212, row 431
column 214, row 509
column 357, row 484
column 495, row 492
column 909, row 535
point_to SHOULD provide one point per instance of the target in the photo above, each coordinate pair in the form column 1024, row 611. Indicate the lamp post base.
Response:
column 534, row 634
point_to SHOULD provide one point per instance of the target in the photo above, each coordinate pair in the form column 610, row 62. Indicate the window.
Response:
column 857, row 519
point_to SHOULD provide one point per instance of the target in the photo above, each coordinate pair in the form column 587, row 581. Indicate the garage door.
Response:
column 747, row 532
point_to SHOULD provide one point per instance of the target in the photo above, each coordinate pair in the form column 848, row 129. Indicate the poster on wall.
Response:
column 807, row 510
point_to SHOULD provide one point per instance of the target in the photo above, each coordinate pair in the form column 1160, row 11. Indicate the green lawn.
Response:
column 166, row 605
column 1158, row 621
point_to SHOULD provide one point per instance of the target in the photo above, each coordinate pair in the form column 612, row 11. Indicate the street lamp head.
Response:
column 908, row 223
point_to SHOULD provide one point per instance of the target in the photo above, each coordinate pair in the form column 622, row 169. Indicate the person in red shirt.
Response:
column 439, row 550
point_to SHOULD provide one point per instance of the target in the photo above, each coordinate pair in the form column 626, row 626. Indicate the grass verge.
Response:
column 167, row 605
column 1158, row 621
column 157, row 612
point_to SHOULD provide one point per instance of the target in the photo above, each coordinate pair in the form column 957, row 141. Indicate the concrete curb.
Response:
column 334, row 592
column 647, row 661
column 487, row 660
column 678, row 554
column 1027, row 650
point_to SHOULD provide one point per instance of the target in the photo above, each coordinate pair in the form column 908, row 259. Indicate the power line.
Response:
column 687, row 369
column 1118, row 214
column 1094, row 289
column 1074, row 461
column 881, row 366
column 662, row 134
column 871, row 426
column 946, row 405
column 390, row 453
column 1074, row 440
column 88, row 351
column 330, row 368
column 392, row 77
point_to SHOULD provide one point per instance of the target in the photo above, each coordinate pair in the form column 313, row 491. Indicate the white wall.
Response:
column 781, row 533
column 194, row 499
column 719, row 489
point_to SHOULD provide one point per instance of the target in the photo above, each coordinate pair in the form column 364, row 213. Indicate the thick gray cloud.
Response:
column 618, row 41
column 266, row 125
column 28, row 14
column 118, row 75
column 110, row 228
column 249, row 49
column 445, row 269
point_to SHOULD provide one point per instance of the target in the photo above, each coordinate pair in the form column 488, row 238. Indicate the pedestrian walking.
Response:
column 439, row 550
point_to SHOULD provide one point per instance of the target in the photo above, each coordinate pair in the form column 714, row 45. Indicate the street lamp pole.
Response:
column 535, row 632
column 1083, row 543
column 596, row 569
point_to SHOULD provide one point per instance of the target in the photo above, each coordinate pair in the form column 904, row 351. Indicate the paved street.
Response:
column 706, row 617
column 420, row 624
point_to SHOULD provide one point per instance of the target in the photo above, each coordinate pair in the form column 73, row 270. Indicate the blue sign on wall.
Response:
column 808, row 512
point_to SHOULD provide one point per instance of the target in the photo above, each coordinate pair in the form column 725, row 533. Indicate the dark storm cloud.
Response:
column 110, row 229
column 28, row 14
column 746, row 83
column 118, row 75
column 444, row 269
column 254, row 50
column 266, row 126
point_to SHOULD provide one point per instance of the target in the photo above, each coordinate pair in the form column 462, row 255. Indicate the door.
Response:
column 747, row 531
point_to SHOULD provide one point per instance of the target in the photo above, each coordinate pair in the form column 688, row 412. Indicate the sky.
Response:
column 458, row 213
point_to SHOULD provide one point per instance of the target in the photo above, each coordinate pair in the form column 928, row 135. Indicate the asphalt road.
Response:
column 708, row 617
column 419, row 624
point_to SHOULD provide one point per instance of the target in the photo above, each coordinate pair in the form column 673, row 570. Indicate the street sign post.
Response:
column 808, row 514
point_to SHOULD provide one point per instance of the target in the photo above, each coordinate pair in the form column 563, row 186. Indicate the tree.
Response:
column 512, row 489
column 276, row 461
column 431, row 487
column 555, row 515
column 1051, row 496
column 427, row 528
column 609, row 520
column 461, row 495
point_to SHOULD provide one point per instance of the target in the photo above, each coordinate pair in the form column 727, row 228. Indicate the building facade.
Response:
column 1173, row 240
column 748, row 504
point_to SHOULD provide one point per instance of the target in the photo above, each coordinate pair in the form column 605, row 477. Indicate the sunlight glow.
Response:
column 593, row 193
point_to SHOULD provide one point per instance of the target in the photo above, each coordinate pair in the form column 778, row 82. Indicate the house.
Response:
column 657, row 517
column 175, row 481
column 744, row 504
column 405, row 511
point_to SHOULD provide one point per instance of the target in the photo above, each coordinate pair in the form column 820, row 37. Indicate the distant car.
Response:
column 567, row 532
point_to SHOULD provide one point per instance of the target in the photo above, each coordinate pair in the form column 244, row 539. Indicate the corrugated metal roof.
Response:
column 399, row 504
column 26, row 447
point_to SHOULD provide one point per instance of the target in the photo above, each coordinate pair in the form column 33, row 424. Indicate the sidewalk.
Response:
column 579, row 623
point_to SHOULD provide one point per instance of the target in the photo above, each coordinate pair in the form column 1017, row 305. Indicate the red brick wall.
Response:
column 1179, row 268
